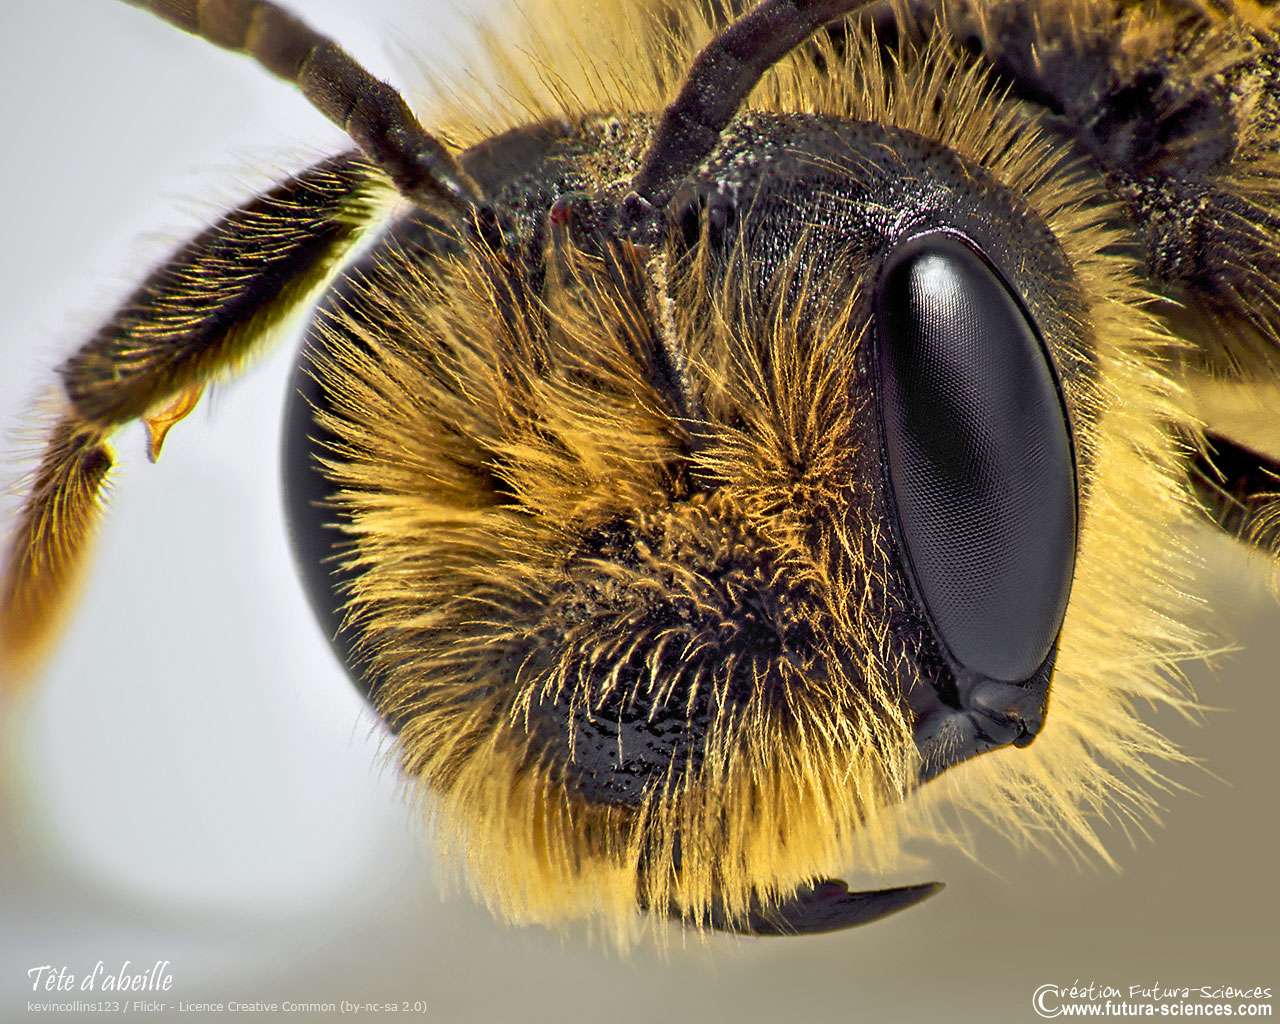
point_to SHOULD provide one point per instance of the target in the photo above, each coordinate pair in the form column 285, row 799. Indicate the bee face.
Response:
column 700, row 554
column 687, row 489
column 853, row 499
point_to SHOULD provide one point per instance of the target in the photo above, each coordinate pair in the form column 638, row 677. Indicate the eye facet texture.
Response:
column 978, row 456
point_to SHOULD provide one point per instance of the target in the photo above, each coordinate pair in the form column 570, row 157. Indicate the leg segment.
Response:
column 203, row 312
column 1236, row 474
column 53, row 530
column 1240, row 490
column 201, row 315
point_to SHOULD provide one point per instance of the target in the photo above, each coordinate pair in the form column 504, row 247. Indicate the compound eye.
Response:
column 978, row 456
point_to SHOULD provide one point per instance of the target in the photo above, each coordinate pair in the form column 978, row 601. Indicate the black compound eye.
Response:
column 978, row 454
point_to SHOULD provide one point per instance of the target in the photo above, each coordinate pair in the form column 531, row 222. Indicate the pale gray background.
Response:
column 197, row 782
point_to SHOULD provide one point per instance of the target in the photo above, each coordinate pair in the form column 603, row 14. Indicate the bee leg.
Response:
column 199, row 316
column 825, row 906
column 53, row 529
column 1239, row 489
column 1234, row 469
column 207, row 309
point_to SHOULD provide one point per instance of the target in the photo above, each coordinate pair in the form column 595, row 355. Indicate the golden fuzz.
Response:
column 47, row 550
column 478, row 454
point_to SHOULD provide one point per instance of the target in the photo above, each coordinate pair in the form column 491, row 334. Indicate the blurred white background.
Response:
column 196, row 781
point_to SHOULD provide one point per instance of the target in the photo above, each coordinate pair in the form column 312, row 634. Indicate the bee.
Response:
column 741, row 438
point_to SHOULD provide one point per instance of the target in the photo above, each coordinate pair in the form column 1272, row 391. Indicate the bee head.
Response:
column 686, row 542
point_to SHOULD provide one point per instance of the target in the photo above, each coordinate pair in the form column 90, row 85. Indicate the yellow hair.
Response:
column 445, row 435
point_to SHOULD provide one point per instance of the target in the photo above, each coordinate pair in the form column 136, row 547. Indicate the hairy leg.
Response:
column 206, row 310
column 199, row 316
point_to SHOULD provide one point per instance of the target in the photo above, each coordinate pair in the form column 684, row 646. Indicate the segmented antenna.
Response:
column 719, row 82
column 370, row 111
